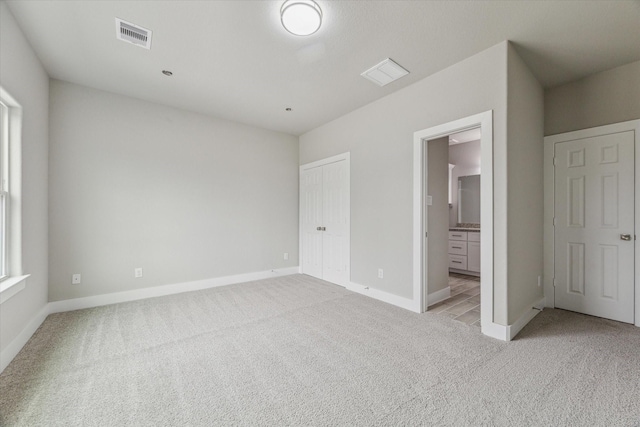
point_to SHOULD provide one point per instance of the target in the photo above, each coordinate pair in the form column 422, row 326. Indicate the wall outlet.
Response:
column 286, row 256
column 76, row 279
column 137, row 273
column 539, row 281
column 380, row 273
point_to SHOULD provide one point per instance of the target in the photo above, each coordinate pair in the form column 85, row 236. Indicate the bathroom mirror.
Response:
column 469, row 199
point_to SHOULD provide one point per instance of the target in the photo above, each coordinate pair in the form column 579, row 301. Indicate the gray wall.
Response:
column 380, row 139
column 184, row 196
column 23, row 77
column 438, row 214
column 525, row 123
column 611, row 96
column 466, row 157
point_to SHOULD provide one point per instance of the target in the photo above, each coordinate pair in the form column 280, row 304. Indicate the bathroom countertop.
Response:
column 473, row 230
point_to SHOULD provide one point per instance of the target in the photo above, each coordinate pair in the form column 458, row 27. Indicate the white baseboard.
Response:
column 402, row 302
column 437, row 296
column 159, row 291
column 14, row 347
column 507, row 333
column 512, row 330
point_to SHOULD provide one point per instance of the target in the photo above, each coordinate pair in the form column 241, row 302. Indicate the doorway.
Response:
column 591, row 218
column 484, row 121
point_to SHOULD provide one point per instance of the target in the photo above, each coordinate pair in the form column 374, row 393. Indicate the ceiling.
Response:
column 233, row 59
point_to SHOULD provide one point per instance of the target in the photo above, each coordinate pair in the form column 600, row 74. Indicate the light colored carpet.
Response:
column 299, row 351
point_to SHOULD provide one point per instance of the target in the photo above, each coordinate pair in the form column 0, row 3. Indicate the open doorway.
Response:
column 454, row 224
column 422, row 202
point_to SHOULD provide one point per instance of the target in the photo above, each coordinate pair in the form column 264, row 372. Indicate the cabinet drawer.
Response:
column 473, row 237
column 457, row 247
column 458, row 235
column 458, row 262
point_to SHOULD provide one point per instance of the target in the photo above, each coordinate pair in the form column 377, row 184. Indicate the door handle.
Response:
column 319, row 228
column 625, row 237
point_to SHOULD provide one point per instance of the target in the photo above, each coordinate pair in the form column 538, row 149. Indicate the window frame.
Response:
column 5, row 194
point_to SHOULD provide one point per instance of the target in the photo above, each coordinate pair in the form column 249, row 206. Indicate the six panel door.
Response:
column 594, row 226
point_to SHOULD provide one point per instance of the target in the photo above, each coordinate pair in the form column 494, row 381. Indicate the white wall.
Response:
column 184, row 196
column 438, row 214
column 24, row 78
column 525, row 125
column 604, row 98
column 466, row 157
column 380, row 139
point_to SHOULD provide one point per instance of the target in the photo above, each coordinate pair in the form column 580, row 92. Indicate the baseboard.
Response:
column 438, row 296
column 402, row 302
column 512, row 330
column 12, row 350
column 159, row 291
column 494, row 330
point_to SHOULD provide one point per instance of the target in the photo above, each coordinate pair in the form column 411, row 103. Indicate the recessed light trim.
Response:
column 167, row 73
column 301, row 17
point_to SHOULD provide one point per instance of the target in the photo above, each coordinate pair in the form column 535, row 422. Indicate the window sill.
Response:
column 11, row 286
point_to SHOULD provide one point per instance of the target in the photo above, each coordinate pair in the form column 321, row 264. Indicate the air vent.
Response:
column 385, row 72
column 132, row 33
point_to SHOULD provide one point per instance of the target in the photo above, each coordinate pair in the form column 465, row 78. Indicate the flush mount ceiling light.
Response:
column 301, row 17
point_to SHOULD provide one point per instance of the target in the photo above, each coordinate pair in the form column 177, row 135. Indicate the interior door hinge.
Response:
column 426, row 234
column 554, row 161
column 554, row 221
column 554, row 282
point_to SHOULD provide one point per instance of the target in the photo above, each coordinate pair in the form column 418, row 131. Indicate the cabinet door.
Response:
column 473, row 256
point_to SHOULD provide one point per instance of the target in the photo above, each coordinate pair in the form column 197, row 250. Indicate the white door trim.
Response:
column 337, row 158
column 549, row 197
column 485, row 121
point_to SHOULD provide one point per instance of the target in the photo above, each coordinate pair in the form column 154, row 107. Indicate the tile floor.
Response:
column 464, row 303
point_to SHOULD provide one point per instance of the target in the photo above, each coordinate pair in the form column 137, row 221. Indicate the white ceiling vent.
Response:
column 132, row 33
column 385, row 72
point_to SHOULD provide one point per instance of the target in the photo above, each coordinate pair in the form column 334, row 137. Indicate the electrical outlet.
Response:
column 137, row 273
column 76, row 279
column 286, row 256
column 380, row 273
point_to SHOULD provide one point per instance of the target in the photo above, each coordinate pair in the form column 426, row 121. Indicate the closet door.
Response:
column 335, row 223
column 324, row 221
column 311, row 221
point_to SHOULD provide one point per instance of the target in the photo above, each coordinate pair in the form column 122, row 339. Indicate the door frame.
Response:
column 549, row 202
column 420, row 215
column 333, row 159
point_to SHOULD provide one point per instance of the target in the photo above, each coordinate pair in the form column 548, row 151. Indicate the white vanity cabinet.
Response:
column 464, row 252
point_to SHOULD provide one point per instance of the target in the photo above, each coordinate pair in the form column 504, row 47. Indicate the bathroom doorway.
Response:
column 424, row 209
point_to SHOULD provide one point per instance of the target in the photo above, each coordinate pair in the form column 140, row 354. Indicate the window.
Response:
column 4, row 190
column 12, row 278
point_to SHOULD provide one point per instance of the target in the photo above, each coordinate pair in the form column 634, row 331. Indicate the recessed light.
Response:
column 287, row 109
column 301, row 17
column 167, row 73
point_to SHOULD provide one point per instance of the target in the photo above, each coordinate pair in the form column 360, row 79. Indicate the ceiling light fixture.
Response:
column 301, row 17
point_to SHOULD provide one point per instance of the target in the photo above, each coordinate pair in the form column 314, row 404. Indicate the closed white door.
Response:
column 594, row 226
column 311, row 220
column 325, row 222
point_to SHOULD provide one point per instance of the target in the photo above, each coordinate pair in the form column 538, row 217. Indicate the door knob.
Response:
column 324, row 228
column 319, row 228
column 626, row 237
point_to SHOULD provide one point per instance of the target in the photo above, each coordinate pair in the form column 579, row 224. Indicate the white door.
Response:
column 325, row 222
column 311, row 220
column 594, row 226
